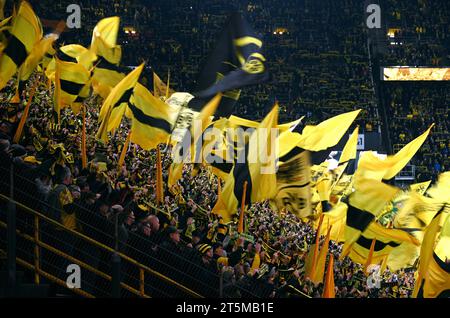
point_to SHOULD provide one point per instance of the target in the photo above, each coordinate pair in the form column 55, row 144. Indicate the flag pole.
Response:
column 24, row 117
column 124, row 151
column 328, row 291
column 316, row 247
column 241, row 216
column 159, row 192
column 168, row 83
column 369, row 258
column 83, row 138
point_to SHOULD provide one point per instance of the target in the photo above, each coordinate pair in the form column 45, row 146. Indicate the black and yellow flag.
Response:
column 108, row 72
column 385, row 241
column 115, row 104
column 366, row 203
column 189, row 150
column 434, row 270
column 370, row 166
column 25, row 33
column 36, row 55
column 71, row 79
column 293, row 186
column 258, row 170
column 236, row 62
column 161, row 89
column 317, row 139
column 349, row 151
column 152, row 120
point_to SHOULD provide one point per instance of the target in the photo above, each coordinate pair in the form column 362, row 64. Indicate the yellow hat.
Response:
column 31, row 159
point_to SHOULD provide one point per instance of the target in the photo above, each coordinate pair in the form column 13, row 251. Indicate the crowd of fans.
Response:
column 413, row 108
column 420, row 32
column 180, row 238
column 319, row 70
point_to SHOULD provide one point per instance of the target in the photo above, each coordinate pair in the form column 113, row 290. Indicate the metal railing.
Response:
column 39, row 244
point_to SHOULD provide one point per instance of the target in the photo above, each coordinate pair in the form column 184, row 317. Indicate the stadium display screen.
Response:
column 406, row 73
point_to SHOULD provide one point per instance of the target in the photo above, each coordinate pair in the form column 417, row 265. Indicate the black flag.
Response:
column 236, row 62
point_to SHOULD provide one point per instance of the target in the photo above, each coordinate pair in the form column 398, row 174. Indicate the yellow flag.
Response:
column 70, row 79
column 420, row 187
column 26, row 32
column 293, row 186
column 201, row 122
column 160, row 88
column 384, row 241
column 35, row 56
column 235, row 121
column 318, row 273
column 114, row 106
column 370, row 166
column 328, row 291
column 260, row 176
column 366, row 203
column 106, row 29
column 433, row 272
column 349, row 151
column 440, row 190
column 320, row 137
column 151, row 119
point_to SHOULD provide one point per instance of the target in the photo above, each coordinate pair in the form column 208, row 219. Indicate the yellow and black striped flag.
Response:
column 317, row 139
column 25, row 33
column 366, row 203
column 237, row 61
column 115, row 104
column 71, row 79
column 293, row 186
column 370, row 166
column 258, row 173
column 384, row 241
column 108, row 72
column 434, row 268
column 152, row 120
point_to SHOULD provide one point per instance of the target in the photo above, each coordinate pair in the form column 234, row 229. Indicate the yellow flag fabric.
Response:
column 151, row 119
column 235, row 121
column 107, row 73
column 420, row 187
column 349, row 151
column 336, row 217
column 73, row 53
column 35, row 56
column 385, row 242
column 114, row 106
column 442, row 249
column 366, row 203
column 416, row 212
column 370, row 166
column 25, row 33
column 329, row 287
column 434, row 270
column 320, row 137
column 160, row 88
column 293, row 186
column 70, row 79
column 440, row 190
column 319, row 271
column 260, row 176
column 106, row 29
